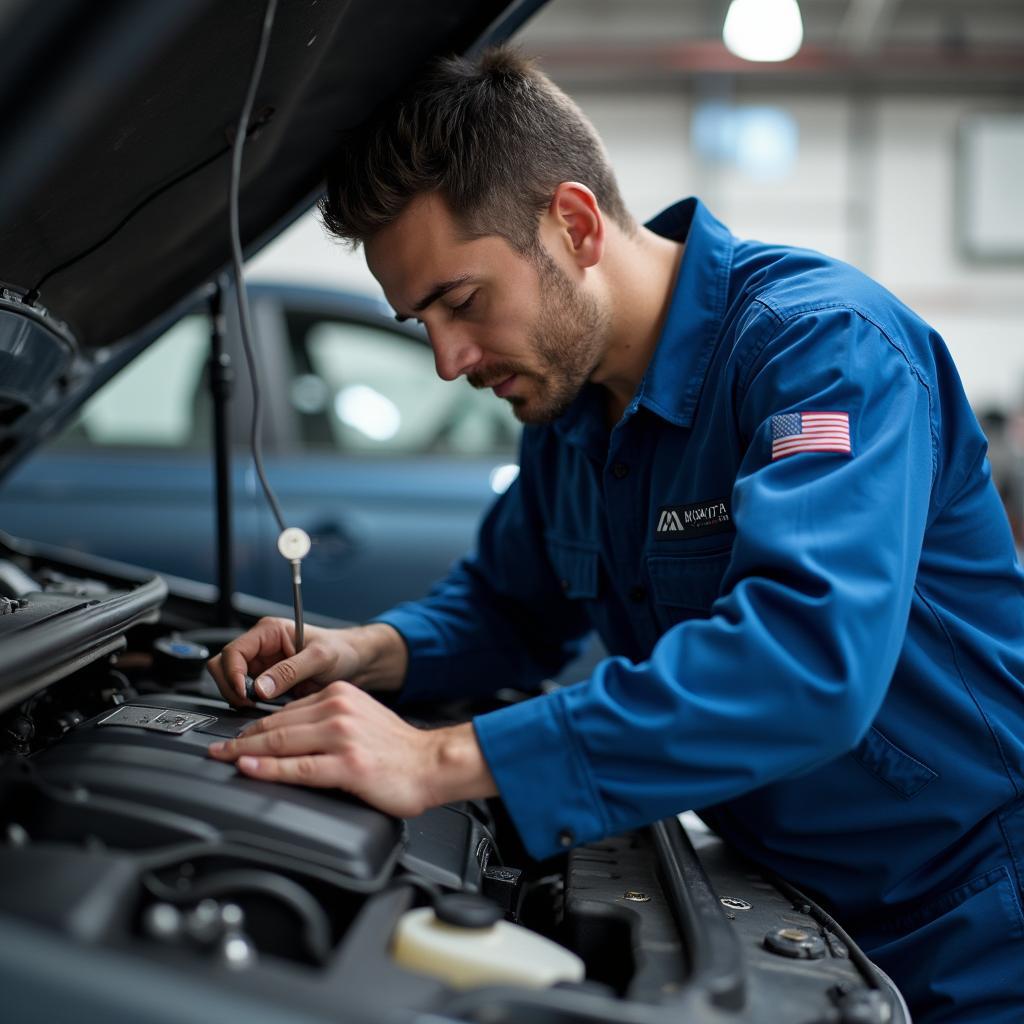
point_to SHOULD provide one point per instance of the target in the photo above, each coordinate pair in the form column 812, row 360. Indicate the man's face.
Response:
column 516, row 324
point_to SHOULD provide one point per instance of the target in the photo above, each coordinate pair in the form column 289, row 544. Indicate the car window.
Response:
column 364, row 389
column 157, row 401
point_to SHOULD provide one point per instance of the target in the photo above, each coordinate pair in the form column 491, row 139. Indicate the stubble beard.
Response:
column 566, row 340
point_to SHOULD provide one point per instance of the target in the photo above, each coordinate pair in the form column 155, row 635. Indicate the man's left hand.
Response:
column 342, row 737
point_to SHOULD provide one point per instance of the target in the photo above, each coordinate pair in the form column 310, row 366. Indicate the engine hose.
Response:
column 316, row 926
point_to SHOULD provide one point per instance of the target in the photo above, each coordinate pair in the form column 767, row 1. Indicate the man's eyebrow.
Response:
column 434, row 294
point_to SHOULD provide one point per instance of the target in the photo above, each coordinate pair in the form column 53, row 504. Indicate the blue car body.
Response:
column 385, row 525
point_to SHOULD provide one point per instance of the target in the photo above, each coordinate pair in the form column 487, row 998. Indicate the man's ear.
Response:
column 579, row 223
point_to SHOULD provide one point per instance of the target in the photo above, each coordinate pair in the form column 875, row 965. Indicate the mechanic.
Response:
column 755, row 473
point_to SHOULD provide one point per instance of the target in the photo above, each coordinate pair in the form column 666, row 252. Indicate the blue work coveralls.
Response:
column 816, row 632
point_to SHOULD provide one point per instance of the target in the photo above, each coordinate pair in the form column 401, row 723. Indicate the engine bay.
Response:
column 126, row 852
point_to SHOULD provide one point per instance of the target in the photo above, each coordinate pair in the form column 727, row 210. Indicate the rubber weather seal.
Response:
column 49, row 650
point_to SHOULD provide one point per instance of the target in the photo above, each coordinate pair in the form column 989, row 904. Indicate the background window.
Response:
column 377, row 391
column 157, row 401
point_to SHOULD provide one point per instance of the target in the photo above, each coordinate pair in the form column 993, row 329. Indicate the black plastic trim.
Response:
column 508, row 22
column 716, row 954
column 10, row 301
column 36, row 656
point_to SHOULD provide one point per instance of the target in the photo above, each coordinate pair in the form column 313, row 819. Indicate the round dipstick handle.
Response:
column 294, row 544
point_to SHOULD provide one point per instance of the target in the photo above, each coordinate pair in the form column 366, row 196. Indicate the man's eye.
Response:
column 464, row 306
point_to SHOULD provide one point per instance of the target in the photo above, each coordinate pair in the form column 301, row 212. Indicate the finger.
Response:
column 255, row 651
column 302, row 738
column 306, row 770
column 332, row 700
column 236, row 698
column 290, row 714
column 336, row 700
column 315, row 661
column 248, row 653
column 313, row 699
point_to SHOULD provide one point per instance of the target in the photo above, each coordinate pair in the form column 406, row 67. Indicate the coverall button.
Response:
column 637, row 594
column 566, row 838
column 620, row 470
column 564, row 584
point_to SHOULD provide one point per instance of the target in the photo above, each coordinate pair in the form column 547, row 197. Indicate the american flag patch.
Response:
column 794, row 432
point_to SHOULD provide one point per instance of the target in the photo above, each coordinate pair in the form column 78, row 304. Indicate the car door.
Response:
column 387, row 467
column 132, row 477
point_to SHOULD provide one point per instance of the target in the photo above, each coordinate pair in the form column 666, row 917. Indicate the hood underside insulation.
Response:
column 119, row 120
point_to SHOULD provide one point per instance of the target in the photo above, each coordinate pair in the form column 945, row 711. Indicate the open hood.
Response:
column 118, row 123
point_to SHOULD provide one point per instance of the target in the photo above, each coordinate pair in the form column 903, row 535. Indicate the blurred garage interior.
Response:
column 893, row 139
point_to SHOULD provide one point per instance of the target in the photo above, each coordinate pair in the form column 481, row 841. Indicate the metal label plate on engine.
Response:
column 169, row 720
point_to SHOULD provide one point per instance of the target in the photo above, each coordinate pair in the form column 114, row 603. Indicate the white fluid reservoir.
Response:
column 499, row 953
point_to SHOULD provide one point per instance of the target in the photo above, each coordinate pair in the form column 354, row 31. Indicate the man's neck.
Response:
column 641, row 273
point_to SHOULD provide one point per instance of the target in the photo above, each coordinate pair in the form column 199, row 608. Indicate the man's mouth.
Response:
column 503, row 388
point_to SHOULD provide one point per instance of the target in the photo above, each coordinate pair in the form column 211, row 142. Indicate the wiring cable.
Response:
column 874, row 977
column 315, row 924
column 244, row 313
column 293, row 543
column 32, row 295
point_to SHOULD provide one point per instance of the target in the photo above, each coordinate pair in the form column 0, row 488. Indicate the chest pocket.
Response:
column 576, row 566
column 684, row 585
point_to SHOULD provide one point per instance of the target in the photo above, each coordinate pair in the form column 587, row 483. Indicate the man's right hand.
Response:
column 372, row 654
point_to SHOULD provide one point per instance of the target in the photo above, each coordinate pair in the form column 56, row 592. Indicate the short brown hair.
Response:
column 494, row 137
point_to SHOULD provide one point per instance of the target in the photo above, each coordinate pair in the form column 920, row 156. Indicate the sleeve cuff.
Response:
column 541, row 773
column 425, row 675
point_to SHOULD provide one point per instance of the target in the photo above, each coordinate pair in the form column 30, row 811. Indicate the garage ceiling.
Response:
column 911, row 45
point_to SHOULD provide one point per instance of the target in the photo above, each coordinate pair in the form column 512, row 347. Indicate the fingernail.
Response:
column 249, row 764
column 216, row 748
column 265, row 686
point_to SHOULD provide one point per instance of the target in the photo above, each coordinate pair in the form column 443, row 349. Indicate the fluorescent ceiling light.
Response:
column 763, row 29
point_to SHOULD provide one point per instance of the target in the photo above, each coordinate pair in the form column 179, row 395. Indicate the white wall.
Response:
column 305, row 254
column 978, row 309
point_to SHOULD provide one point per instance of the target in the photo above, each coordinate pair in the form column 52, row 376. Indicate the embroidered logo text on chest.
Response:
column 702, row 517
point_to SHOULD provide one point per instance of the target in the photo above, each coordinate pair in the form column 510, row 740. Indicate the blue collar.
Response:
column 672, row 384
column 675, row 376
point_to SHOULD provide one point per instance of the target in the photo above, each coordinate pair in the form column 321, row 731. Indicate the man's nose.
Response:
column 454, row 353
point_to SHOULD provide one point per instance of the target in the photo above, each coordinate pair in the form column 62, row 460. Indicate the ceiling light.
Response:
column 763, row 29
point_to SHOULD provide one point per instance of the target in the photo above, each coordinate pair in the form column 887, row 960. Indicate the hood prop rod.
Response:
column 221, row 377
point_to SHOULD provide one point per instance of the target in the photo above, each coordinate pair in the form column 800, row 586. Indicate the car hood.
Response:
column 118, row 122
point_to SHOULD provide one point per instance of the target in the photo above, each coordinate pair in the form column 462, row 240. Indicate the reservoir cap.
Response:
column 466, row 910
